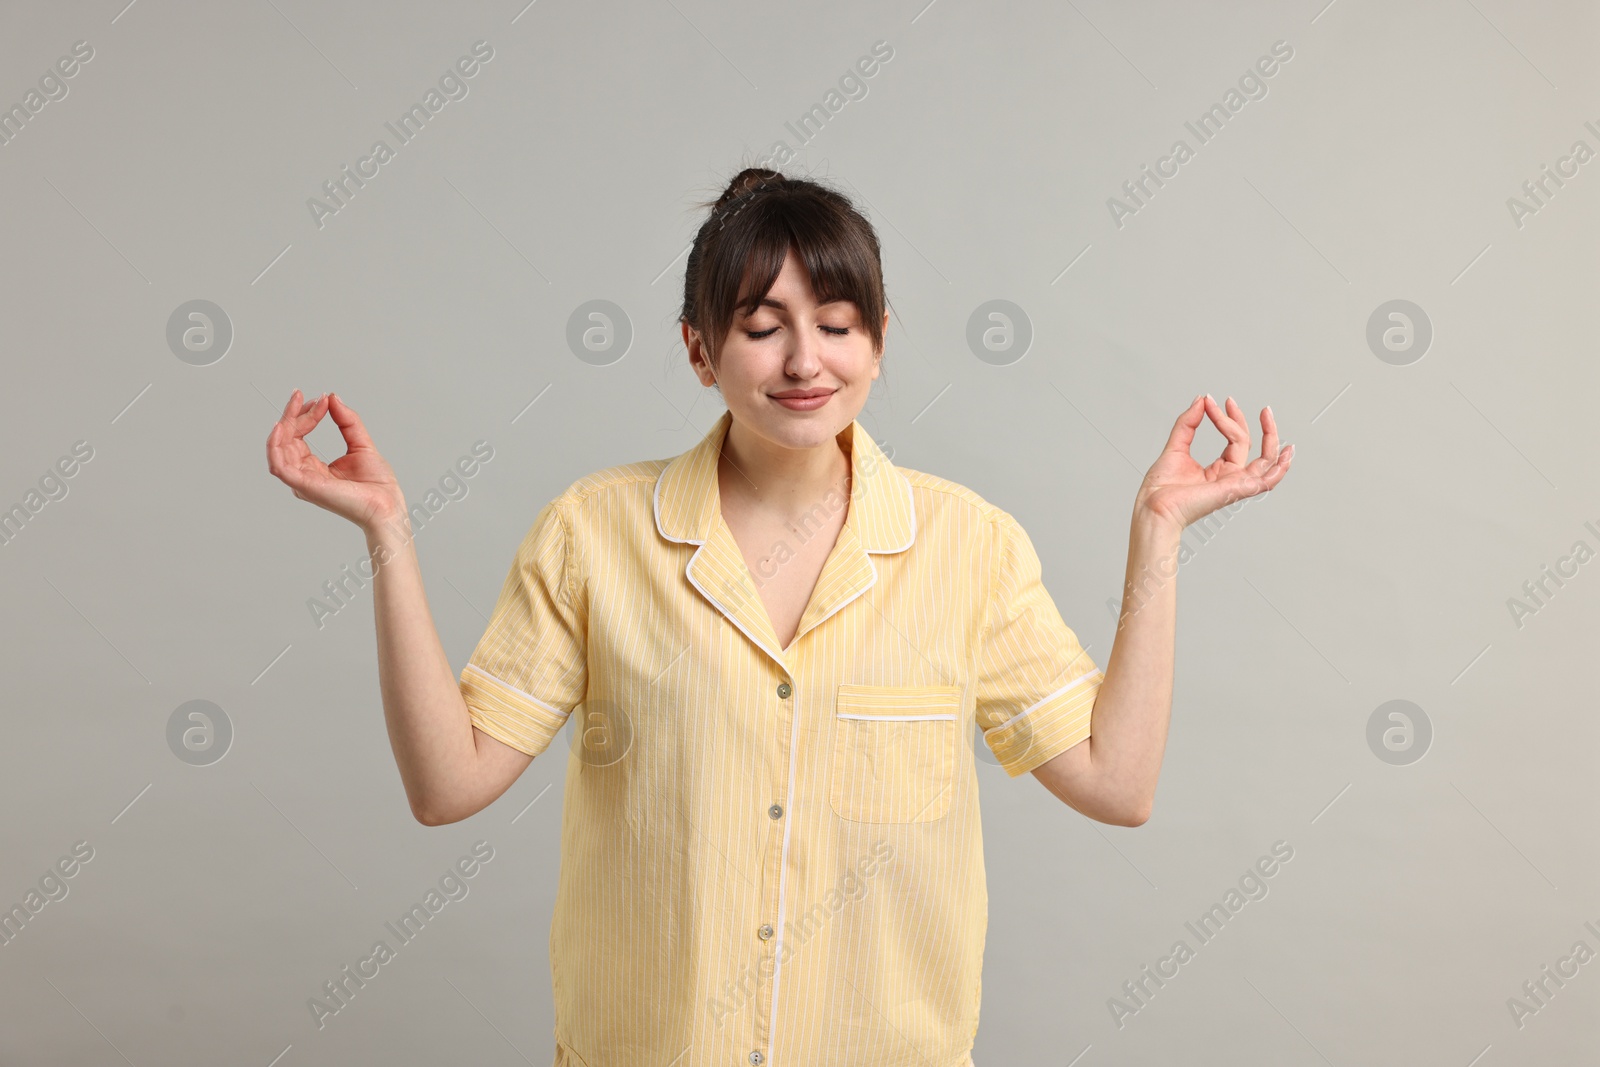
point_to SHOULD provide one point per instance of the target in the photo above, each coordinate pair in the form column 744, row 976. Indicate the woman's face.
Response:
column 791, row 345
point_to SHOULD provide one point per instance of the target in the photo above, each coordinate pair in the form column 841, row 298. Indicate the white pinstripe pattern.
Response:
column 630, row 602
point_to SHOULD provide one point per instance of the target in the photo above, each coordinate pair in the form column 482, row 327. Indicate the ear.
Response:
column 697, row 354
column 877, row 358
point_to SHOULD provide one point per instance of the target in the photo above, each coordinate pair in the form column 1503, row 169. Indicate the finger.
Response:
column 275, row 436
column 1220, row 419
column 1269, row 434
column 282, row 444
column 278, row 463
column 299, row 418
column 309, row 415
column 1279, row 468
column 1237, row 450
column 349, row 423
column 291, row 459
column 1254, row 480
column 1182, row 435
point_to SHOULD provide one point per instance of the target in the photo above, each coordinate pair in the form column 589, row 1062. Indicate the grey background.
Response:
column 220, row 898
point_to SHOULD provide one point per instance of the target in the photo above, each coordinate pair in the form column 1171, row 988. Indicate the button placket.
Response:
column 772, row 892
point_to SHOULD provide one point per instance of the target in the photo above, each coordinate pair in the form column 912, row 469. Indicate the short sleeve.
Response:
column 1036, row 685
column 530, row 668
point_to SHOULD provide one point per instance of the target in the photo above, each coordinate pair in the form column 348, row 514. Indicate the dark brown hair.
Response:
column 752, row 226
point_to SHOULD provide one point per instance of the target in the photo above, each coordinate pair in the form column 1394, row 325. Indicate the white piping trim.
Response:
column 894, row 718
column 905, row 483
column 783, row 880
column 858, row 594
column 1082, row 678
column 552, row 709
column 655, row 506
column 688, row 572
column 911, row 509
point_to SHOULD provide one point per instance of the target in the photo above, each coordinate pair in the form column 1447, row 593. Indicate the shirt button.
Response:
column 765, row 932
column 756, row 1057
column 776, row 811
column 784, row 690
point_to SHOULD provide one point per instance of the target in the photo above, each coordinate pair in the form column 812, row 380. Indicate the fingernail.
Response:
column 1211, row 398
column 1269, row 411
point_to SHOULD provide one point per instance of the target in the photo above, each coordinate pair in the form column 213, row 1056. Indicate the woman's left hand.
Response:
column 1178, row 491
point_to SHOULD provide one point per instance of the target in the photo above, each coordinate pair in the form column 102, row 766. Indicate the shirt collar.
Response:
column 688, row 502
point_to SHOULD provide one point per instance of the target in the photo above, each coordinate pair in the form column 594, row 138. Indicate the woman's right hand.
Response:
column 359, row 485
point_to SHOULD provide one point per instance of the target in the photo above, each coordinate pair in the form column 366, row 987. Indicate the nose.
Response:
column 804, row 359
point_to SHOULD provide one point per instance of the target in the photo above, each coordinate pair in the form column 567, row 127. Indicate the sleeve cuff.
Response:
column 1048, row 727
column 509, row 715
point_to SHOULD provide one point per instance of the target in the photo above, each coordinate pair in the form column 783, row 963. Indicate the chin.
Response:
column 798, row 429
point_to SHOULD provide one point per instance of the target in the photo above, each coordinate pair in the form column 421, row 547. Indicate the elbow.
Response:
column 430, row 817
column 1137, row 816
column 443, row 816
column 1128, row 814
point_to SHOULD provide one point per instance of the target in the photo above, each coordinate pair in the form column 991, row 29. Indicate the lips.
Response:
column 804, row 399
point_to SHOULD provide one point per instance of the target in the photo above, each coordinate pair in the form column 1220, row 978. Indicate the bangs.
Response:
column 823, row 253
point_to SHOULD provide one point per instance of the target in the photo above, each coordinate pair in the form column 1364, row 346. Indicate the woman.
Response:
column 781, row 644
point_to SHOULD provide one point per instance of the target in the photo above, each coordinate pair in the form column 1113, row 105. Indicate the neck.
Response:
column 783, row 480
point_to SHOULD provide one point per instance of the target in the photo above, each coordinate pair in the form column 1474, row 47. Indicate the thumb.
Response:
column 349, row 423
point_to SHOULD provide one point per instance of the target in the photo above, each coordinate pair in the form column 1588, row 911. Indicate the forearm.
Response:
column 429, row 727
column 1128, row 729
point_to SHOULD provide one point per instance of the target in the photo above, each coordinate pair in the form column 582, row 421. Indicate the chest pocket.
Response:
column 894, row 752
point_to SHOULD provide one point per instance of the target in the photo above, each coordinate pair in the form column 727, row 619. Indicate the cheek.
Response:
column 863, row 362
column 759, row 360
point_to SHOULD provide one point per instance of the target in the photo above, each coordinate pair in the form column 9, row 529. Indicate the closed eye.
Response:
column 837, row 331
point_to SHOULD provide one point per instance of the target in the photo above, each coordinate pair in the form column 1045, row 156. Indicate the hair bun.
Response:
column 749, row 180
